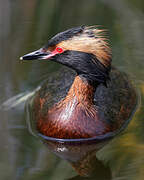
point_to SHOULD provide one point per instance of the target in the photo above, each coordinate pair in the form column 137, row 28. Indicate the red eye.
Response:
column 59, row 50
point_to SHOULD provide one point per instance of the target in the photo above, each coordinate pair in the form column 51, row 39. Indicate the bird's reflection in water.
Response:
column 102, row 172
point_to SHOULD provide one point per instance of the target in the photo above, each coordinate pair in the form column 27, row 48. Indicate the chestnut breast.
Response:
column 71, row 120
column 75, row 116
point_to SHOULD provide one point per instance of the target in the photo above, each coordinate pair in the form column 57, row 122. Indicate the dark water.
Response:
column 26, row 26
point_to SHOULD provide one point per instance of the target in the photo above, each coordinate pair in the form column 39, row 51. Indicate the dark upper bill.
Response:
column 36, row 55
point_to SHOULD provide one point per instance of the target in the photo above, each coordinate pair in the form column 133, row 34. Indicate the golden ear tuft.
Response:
column 92, row 40
column 101, row 47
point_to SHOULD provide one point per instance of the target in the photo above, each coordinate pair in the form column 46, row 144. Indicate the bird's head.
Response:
column 84, row 49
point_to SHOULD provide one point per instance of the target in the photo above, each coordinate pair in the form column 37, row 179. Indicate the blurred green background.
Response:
column 26, row 26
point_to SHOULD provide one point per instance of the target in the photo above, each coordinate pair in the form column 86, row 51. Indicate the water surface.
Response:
column 26, row 26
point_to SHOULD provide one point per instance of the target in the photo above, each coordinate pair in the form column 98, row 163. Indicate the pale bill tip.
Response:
column 21, row 58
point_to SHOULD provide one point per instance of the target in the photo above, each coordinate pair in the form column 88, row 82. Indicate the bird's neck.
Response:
column 82, row 90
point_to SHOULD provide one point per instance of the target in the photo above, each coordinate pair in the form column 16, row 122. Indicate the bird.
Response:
column 96, row 98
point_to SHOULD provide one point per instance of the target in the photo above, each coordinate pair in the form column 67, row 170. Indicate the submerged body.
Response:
column 67, row 110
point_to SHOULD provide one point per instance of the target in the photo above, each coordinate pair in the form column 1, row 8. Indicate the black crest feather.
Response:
column 62, row 36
